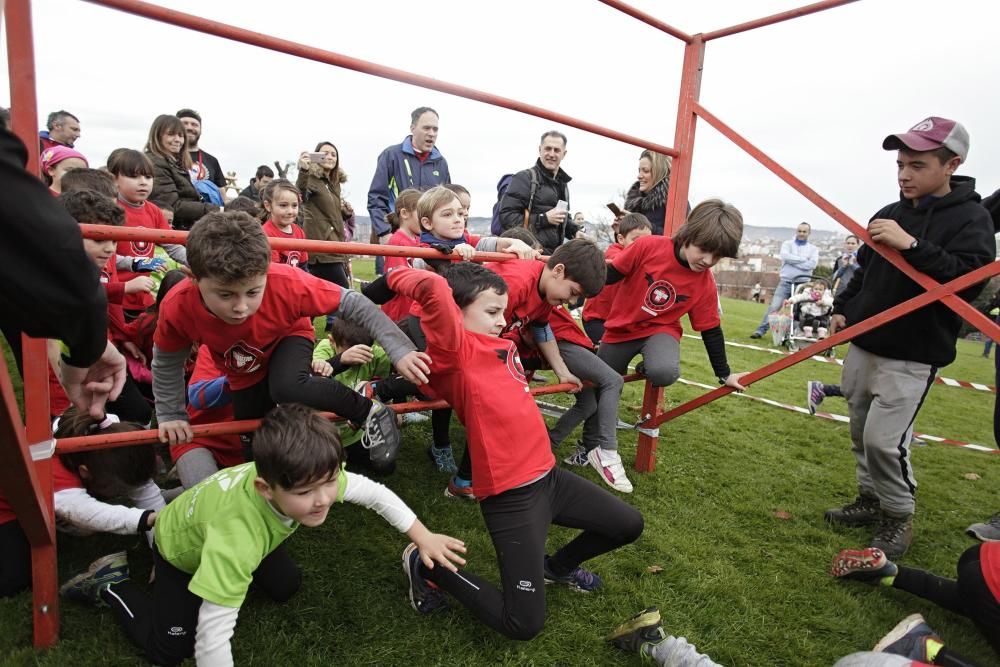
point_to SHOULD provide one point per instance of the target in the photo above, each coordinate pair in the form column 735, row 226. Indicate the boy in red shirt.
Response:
column 663, row 279
column 521, row 491
column 281, row 199
column 250, row 312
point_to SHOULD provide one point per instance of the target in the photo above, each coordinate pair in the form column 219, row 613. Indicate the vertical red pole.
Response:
column 24, row 104
column 680, row 182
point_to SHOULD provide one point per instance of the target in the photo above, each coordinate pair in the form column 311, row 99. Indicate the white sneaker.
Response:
column 608, row 464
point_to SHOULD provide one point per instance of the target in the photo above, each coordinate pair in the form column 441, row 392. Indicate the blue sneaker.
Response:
column 911, row 638
column 444, row 459
column 103, row 572
column 425, row 597
column 459, row 488
column 579, row 580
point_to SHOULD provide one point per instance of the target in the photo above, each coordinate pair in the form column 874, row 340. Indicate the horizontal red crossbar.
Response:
column 649, row 20
column 775, row 18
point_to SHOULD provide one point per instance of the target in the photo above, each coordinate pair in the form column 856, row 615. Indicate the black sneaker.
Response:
column 381, row 436
column 893, row 535
column 864, row 511
column 425, row 597
column 756, row 335
column 645, row 628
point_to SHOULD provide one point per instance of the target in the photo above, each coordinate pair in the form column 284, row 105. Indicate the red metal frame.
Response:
column 28, row 483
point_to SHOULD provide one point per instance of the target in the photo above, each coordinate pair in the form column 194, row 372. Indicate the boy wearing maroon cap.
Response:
column 938, row 227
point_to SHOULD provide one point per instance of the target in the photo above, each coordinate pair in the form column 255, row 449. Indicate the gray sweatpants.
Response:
column 883, row 399
column 195, row 465
column 661, row 355
column 596, row 406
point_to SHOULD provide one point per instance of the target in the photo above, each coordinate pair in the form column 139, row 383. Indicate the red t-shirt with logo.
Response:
column 398, row 307
column 567, row 330
column 482, row 379
column 989, row 559
column 292, row 257
column 62, row 478
column 598, row 307
column 525, row 303
column 291, row 298
column 226, row 449
column 151, row 217
column 656, row 291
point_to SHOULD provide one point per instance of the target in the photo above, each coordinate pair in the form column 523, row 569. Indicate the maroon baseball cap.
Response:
column 930, row 134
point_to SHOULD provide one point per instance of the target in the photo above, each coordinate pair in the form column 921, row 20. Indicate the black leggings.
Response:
column 967, row 595
column 518, row 521
column 163, row 625
column 290, row 380
column 331, row 273
column 15, row 559
column 594, row 330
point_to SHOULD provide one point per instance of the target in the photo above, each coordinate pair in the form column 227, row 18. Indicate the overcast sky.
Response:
column 817, row 93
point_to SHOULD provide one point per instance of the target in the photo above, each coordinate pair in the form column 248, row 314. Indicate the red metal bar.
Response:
column 226, row 31
column 930, row 296
column 775, row 18
column 31, row 495
column 648, row 20
column 957, row 304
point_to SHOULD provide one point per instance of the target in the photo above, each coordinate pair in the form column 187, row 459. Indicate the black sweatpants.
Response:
column 15, row 559
column 290, row 380
column 594, row 330
column 440, row 418
column 518, row 521
column 163, row 625
column 967, row 595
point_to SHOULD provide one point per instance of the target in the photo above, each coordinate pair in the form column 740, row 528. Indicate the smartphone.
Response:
column 316, row 157
column 614, row 209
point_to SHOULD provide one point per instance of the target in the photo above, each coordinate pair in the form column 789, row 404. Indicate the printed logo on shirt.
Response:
column 512, row 360
column 243, row 358
column 293, row 257
column 517, row 323
column 660, row 296
column 176, row 631
column 141, row 248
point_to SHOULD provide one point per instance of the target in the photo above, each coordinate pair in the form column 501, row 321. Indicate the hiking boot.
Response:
column 864, row 511
column 608, row 464
column 868, row 565
column 459, row 488
column 425, row 597
column 578, row 457
column 911, row 638
column 814, row 395
column 643, row 629
column 893, row 535
column 443, row 458
column 579, row 580
column 380, row 434
column 88, row 586
column 988, row 531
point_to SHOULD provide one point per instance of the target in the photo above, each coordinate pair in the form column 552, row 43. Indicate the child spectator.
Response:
column 280, row 199
column 662, row 279
column 520, row 489
column 352, row 357
column 97, row 180
column 227, row 532
column 940, row 229
column 209, row 401
column 464, row 200
column 631, row 227
column 250, row 312
column 815, row 300
column 133, row 174
column 244, row 204
column 975, row 594
column 56, row 161
column 407, row 234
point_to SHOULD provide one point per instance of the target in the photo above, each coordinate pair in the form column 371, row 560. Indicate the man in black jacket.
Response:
column 537, row 191
column 939, row 227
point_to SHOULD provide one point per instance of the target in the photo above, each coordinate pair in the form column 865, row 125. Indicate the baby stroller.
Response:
column 805, row 317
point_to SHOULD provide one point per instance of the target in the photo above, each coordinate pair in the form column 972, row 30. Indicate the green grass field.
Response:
column 747, row 587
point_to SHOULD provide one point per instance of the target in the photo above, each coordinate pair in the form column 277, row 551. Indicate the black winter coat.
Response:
column 173, row 190
column 548, row 192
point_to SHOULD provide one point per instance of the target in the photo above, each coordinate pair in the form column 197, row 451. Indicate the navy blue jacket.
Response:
column 399, row 168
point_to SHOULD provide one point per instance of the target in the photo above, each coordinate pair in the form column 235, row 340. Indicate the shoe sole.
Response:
column 898, row 632
column 460, row 496
column 594, row 460
column 570, row 586
column 409, row 575
column 856, row 561
column 830, row 518
column 94, row 568
column 648, row 618
column 809, row 398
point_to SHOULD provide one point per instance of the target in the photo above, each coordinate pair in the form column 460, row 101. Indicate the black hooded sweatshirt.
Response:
column 955, row 237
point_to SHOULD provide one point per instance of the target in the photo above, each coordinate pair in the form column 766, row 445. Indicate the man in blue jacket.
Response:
column 415, row 163
column 798, row 259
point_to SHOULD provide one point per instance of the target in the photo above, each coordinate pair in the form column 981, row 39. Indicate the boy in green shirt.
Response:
column 227, row 531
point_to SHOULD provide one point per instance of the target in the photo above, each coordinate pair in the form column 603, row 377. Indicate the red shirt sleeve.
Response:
column 313, row 295
column 626, row 261
column 441, row 318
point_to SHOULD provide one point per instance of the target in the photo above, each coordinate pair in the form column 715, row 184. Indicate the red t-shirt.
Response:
column 292, row 257
column 567, row 330
column 291, row 298
column 989, row 559
column 62, row 478
column 226, row 449
column 482, row 379
column 525, row 303
column 598, row 307
column 656, row 291
column 151, row 217
column 398, row 307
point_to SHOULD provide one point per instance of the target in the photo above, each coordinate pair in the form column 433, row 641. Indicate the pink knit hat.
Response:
column 50, row 157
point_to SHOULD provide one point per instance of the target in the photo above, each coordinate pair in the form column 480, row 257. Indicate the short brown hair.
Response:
column 128, row 162
column 89, row 179
column 522, row 234
column 632, row 222
column 714, row 226
column 230, row 247
column 295, row 445
column 432, row 200
column 89, row 207
column 584, row 264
